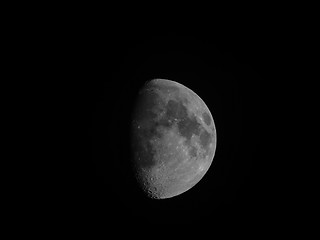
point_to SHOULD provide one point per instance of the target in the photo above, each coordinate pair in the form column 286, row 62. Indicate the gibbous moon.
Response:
column 173, row 138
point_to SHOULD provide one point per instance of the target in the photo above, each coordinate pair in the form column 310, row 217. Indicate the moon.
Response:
column 173, row 138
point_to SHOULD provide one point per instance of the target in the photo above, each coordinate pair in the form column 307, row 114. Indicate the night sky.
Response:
column 104, row 71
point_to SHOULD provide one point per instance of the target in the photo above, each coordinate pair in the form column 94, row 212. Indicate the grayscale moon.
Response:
column 173, row 138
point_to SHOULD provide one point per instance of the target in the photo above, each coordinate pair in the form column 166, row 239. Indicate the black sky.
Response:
column 104, row 71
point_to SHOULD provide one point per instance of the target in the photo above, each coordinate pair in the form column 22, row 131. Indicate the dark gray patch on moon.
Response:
column 206, row 118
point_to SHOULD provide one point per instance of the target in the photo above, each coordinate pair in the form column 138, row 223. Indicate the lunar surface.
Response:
column 173, row 138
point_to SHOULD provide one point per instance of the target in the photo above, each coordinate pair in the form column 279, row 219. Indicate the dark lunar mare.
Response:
column 187, row 126
column 206, row 118
column 205, row 139
column 175, row 113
